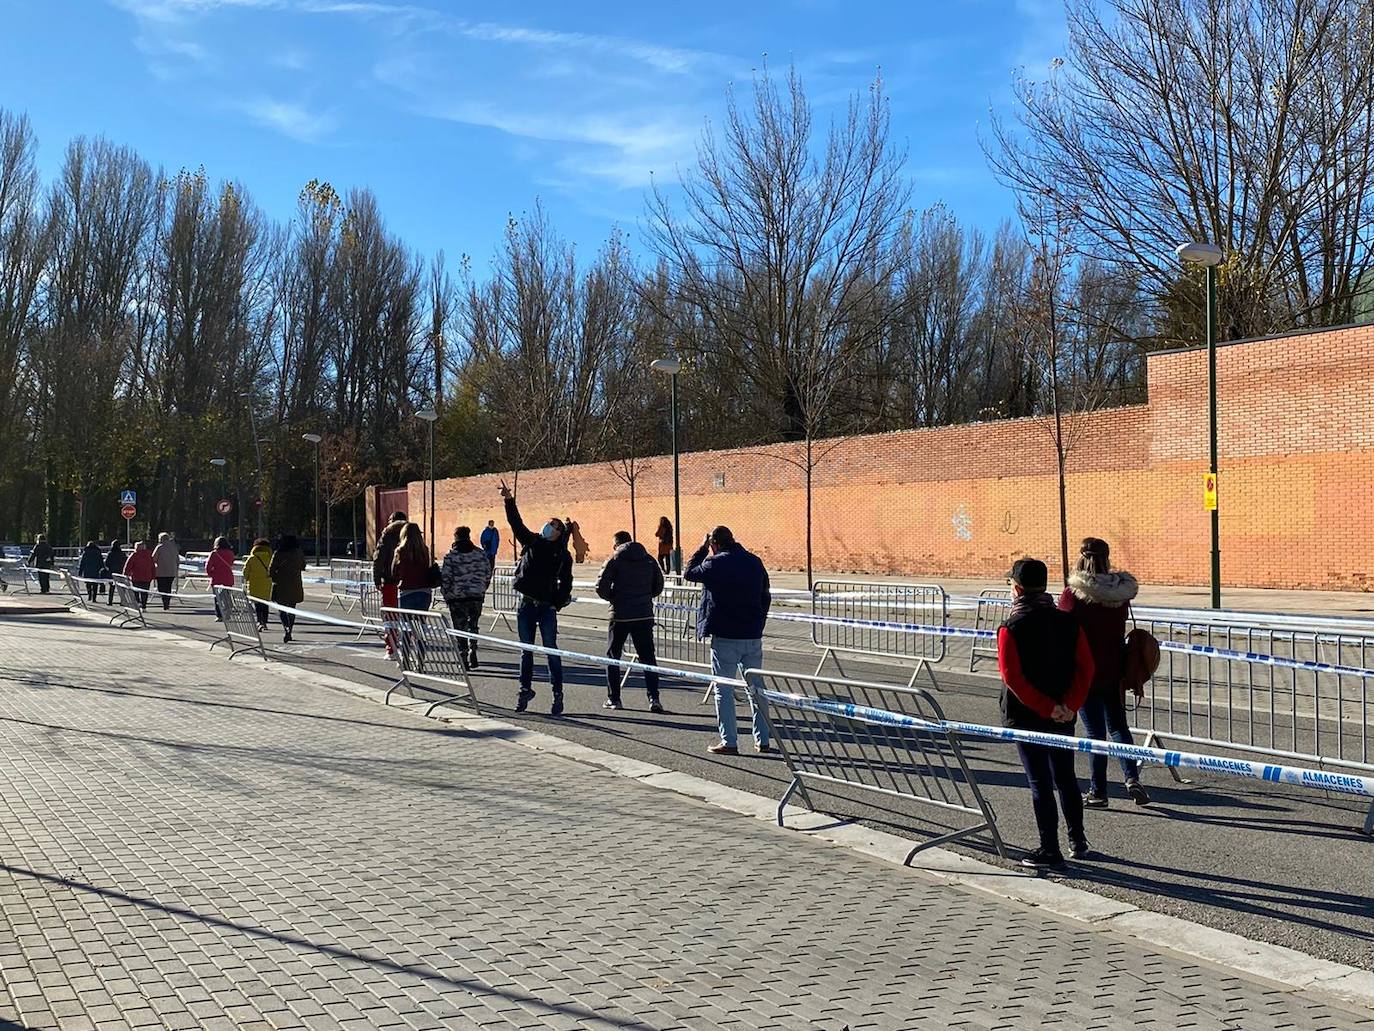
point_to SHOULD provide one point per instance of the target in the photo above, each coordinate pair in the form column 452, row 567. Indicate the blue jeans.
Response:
column 1104, row 715
column 528, row 616
column 727, row 656
column 416, row 601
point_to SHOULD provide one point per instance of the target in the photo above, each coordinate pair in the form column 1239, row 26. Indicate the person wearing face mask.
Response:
column 543, row 579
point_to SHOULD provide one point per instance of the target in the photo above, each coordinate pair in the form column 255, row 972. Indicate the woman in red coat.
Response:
column 141, row 571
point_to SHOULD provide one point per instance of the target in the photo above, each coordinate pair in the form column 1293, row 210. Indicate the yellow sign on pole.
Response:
column 1209, row 492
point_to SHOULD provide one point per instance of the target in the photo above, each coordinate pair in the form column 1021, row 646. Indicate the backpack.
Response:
column 1139, row 660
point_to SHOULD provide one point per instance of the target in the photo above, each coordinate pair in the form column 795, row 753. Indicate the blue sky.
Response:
column 460, row 114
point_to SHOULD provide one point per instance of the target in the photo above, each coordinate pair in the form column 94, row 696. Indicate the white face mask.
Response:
column 548, row 531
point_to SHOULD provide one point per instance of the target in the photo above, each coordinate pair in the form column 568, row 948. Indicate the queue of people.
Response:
column 1059, row 659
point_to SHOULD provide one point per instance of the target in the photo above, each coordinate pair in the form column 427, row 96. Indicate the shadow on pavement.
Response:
column 429, row 976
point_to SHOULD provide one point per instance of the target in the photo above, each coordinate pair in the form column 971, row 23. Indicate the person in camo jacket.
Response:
column 463, row 579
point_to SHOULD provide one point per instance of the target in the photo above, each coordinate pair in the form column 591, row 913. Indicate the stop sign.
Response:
column 128, row 511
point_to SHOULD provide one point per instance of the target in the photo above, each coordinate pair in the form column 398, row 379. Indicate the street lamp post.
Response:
column 1210, row 256
column 670, row 367
column 257, row 460
column 223, row 491
column 429, row 415
column 315, row 439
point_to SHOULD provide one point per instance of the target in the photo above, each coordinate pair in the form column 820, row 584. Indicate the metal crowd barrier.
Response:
column 879, row 603
column 432, row 657
column 823, row 746
column 991, row 610
column 675, row 627
column 1304, row 709
column 370, row 608
column 240, row 621
column 503, row 601
column 129, row 602
column 346, row 575
column 76, row 587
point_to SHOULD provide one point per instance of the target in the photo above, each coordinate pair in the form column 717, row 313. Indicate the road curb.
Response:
column 1285, row 968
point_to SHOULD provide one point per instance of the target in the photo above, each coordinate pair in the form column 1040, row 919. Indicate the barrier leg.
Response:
column 386, row 698
column 1369, row 820
column 922, row 666
column 332, row 599
column 1149, row 742
column 795, row 787
column 828, row 654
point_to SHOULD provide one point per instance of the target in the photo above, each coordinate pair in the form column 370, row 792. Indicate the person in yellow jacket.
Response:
column 259, row 581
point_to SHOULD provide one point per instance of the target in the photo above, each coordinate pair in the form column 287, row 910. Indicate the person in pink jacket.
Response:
column 219, row 567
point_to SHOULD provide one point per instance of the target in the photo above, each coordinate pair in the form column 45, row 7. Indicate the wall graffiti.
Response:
column 963, row 524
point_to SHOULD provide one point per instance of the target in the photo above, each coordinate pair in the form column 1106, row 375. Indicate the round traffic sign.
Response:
column 224, row 507
column 128, row 511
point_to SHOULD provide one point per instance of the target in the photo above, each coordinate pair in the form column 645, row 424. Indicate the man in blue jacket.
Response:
column 491, row 542
column 734, row 608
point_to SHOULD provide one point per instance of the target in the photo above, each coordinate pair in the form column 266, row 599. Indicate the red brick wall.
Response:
column 1297, row 482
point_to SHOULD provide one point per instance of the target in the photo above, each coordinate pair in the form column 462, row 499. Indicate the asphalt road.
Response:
column 1262, row 860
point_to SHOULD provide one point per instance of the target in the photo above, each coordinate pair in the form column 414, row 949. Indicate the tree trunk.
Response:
column 810, row 467
column 634, row 527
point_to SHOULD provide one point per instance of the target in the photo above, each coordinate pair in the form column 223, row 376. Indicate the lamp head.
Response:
column 1206, row 254
column 219, row 461
column 667, row 366
column 427, row 414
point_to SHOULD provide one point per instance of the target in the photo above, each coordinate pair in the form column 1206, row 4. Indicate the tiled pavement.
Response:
column 187, row 842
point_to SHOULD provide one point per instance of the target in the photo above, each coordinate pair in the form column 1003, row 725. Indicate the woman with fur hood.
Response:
column 1100, row 599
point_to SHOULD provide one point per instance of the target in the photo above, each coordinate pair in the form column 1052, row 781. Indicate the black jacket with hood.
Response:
column 630, row 580
column 544, row 572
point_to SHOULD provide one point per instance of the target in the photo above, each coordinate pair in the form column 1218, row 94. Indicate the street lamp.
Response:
column 1209, row 256
column 257, row 460
column 670, row 367
column 430, row 416
column 223, row 490
column 315, row 439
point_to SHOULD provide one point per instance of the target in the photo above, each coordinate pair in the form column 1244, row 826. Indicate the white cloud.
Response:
column 290, row 119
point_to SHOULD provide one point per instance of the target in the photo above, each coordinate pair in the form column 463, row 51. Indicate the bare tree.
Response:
column 782, row 253
column 1246, row 123
column 23, row 244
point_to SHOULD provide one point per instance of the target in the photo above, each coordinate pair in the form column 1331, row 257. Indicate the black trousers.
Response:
column 466, row 614
column 44, row 583
column 261, row 611
column 92, row 591
column 641, row 632
column 141, row 591
column 1050, row 771
column 164, row 585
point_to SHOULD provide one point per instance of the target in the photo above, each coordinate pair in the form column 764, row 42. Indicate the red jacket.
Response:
column 220, row 568
column 140, row 567
column 413, row 576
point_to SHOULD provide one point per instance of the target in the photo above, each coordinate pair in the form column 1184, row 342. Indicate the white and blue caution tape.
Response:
column 1344, row 783
column 1257, row 658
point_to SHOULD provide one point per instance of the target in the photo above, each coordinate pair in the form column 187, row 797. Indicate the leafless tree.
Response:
column 782, row 253
column 1246, row 123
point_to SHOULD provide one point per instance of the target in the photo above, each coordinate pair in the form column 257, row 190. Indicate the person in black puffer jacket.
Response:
column 543, row 579
column 630, row 580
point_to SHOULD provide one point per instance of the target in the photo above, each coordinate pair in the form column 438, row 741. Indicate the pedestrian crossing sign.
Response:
column 128, row 497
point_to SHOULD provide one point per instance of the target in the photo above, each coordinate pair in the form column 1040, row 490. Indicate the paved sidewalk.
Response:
column 187, row 842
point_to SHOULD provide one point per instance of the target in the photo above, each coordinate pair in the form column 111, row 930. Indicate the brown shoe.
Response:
column 723, row 749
